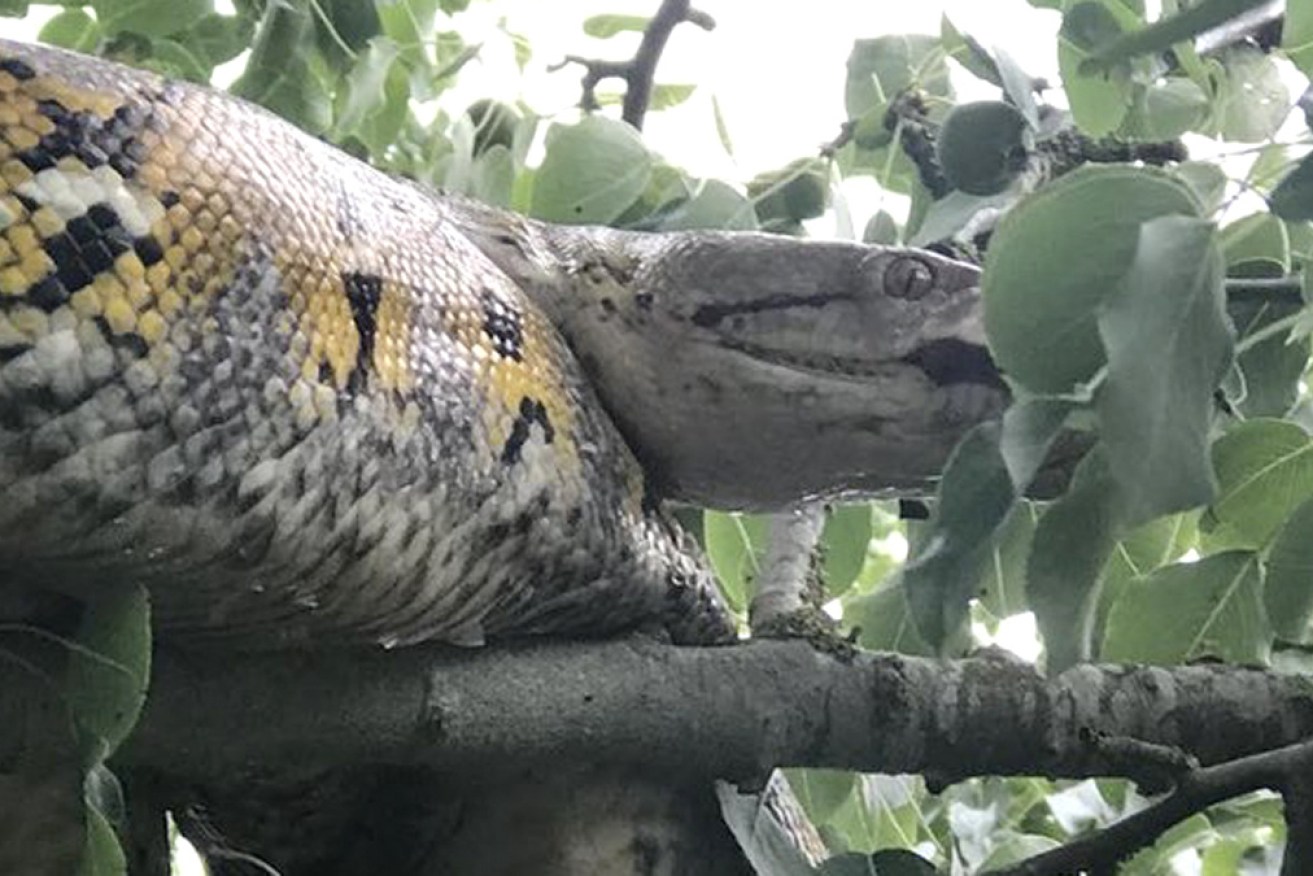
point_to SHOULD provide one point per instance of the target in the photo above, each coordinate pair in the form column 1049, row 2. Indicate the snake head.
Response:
column 754, row 371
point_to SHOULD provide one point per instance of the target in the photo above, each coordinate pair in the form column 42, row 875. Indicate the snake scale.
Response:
column 303, row 401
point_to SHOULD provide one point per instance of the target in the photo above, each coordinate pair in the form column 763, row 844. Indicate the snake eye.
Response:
column 909, row 277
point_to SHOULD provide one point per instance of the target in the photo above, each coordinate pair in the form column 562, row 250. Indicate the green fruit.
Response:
column 983, row 147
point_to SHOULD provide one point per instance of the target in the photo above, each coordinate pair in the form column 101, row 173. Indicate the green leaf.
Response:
column 968, row 52
column 1292, row 199
column 1264, row 470
column 879, row 69
column 108, row 671
column 735, row 545
column 492, row 178
column 1056, row 257
column 1144, row 550
column 974, row 497
column 1297, row 36
column 151, row 18
column 667, row 96
column 605, row 26
column 346, row 24
column 1188, row 611
column 1252, row 99
column 1165, row 110
column 799, row 190
column 13, row 8
column 218, row 39
column 1257, row 237
column 945, row 217
column 372, row 105
column 821, row 792
column 1272, row 368
column 1288, row 593
column 1019, row 86
column 1169, row 343
column 1164, row 33
column 1098, row 102
column 714, row 204
column 71, row 29
column 176, row 61
column 1005, row 567
column 881, row 229
column 844, row 539
column 1072, row 543
column 1206, row 180
column 103, row 855
column 284, row 70
column 593, row 170
column 984, row 146
column 883, row 621
column 1015, row 849
column 1030, row 426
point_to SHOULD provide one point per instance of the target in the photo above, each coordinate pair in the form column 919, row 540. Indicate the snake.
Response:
column 302, row 401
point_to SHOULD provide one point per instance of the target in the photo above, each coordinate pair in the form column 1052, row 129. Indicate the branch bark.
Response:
column 732, row 712
column 639, row 71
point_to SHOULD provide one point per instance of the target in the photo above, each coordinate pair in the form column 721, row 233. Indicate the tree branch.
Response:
column 1273, row 290
column 639, row 71
column 1197, row 791
column 731, row 712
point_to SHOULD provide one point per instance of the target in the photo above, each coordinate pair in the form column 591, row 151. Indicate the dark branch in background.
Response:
column 638, row 72
column 1262, row 24
column 1273, row 290
column 1286, row 770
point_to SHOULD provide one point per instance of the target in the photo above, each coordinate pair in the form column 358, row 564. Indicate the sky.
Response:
column 776, row 69
column 777, row 74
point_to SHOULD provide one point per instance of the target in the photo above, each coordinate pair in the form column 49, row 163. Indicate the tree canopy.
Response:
column 1149, row 309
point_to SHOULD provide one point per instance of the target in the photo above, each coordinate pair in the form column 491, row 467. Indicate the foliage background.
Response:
column 1186, row 534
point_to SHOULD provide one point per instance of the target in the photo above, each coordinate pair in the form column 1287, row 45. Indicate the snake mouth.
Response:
column 945, row 361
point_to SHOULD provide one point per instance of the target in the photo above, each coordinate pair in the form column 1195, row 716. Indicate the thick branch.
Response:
column 639, row 72
column 726, row 712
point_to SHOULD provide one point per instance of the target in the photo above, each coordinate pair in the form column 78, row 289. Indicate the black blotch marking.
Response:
column 148, row 249
column 644, row 300
column 130, row 341
column 501, row 323
column 531, row 411
column 29, row 204
column 709, row 315
column 574, row 515
column 20, row 70
column 325, row 373
column 363, row 293
column 169, row 198
column 89, row 138
column 948, row 360
column 87, row 246
column 48, row 294
column 13, row 351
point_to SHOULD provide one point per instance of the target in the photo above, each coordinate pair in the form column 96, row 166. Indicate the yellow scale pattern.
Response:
column 198, row 216
column 247, row 342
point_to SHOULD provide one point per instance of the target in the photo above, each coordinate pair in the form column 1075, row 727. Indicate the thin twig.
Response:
column 1196, row 791
column 639, row 71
